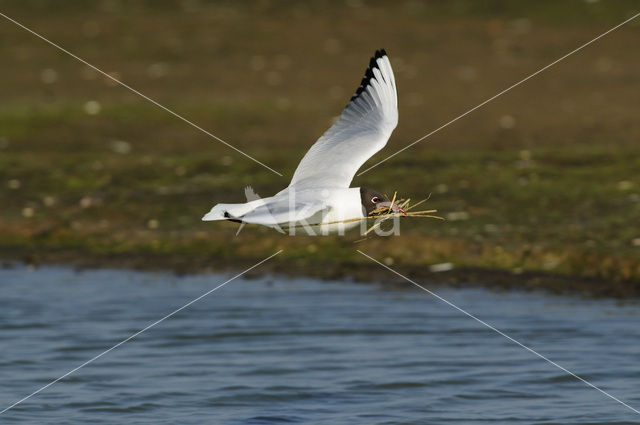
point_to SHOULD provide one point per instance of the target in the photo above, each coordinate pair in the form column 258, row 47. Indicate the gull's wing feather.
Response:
column 362, row 130
column 280, row 211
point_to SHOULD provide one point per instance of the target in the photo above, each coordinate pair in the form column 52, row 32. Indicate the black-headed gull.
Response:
column 319, row 199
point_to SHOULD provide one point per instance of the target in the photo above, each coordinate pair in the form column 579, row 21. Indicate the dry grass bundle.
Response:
column 401, row 208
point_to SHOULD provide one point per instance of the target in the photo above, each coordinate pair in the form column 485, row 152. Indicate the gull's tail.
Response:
column 231, row 211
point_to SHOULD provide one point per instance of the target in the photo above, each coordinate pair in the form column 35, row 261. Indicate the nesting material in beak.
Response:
column 401, row 208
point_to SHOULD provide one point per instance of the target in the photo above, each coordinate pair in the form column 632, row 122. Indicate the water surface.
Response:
column 274, row 350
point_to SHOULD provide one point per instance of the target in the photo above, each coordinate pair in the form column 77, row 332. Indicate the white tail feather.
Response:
column 231, row 211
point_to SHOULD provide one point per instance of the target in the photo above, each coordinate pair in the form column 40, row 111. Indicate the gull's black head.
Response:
column 371, row 200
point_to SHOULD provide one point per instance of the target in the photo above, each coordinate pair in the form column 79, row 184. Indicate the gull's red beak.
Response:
column 396, row 208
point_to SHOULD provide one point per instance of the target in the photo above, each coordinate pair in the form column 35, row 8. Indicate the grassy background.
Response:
column 543, row 180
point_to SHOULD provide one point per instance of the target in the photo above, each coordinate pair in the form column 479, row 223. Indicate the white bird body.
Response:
column 319, row 200
column 314, row 211
column 346, row 211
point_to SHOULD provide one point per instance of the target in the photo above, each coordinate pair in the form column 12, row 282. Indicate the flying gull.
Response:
column 319, row 198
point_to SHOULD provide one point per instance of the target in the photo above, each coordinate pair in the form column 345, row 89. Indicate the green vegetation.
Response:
column 541, row 182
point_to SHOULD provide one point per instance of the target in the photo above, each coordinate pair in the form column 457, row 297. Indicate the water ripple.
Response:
column 303, row 351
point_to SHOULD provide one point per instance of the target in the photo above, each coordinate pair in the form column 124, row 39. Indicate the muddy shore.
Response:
column 359, row 272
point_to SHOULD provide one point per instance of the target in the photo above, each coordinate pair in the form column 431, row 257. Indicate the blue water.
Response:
column 274, row 350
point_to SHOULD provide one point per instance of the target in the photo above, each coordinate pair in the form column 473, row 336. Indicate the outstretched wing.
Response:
column 362, row 130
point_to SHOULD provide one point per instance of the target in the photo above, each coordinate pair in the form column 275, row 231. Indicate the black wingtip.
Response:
column 368, row 74
column 229, row 217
